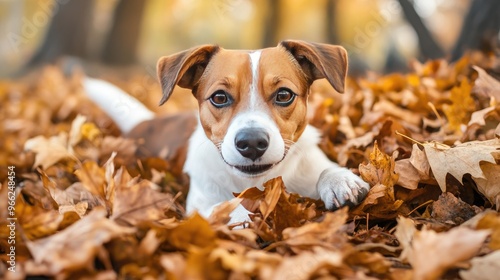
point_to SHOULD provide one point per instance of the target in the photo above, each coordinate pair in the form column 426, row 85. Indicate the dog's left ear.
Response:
column 320, row 61
column 184, row 68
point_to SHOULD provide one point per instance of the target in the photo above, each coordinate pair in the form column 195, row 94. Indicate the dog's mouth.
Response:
column 254, row 169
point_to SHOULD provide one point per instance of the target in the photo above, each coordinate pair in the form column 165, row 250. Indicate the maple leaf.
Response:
column 459, row 160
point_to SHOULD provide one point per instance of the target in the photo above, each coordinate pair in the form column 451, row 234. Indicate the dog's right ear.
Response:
column 184, row 68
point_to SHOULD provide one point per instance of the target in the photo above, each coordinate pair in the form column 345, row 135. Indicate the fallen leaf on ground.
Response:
column 433, row 253
column 76, row 247
column 459, row 160
column 483, row 268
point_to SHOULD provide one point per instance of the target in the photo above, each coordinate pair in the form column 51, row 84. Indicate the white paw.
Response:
column 338, row 187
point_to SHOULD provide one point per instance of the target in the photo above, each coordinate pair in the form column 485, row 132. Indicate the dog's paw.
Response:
column 338, row 187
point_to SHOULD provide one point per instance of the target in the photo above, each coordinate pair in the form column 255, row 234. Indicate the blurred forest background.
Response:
column 380, row 35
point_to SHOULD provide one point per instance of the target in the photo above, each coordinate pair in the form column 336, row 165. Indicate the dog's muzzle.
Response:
column 252, row 143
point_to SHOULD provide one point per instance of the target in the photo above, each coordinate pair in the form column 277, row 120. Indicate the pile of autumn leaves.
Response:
column 88, row 208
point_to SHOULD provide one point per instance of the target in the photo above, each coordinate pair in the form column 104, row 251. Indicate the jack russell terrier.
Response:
column 252, row 121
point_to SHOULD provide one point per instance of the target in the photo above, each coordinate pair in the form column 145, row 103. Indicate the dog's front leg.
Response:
column 336, row 186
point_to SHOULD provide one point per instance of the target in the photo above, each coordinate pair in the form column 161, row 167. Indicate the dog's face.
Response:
column 253, row 103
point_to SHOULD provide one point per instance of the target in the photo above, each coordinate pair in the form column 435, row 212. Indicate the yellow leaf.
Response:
column 380, row 169
column 462, row 106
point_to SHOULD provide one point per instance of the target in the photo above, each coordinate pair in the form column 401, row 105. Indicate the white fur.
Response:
column 126, row 111
column 254, row 94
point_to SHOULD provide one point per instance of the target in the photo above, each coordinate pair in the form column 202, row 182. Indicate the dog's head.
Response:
column 253, row 103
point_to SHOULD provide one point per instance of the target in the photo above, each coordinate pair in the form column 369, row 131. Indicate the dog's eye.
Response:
column 220, row 99
column 284, row 97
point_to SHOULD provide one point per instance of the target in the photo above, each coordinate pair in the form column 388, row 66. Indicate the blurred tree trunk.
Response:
column 331, row 27
column 68, row 32
column 480, row 28
column 272, row 23
column 429, row 49
column 122, row 41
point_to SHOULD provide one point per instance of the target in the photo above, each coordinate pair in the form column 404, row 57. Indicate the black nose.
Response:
column 252, row 143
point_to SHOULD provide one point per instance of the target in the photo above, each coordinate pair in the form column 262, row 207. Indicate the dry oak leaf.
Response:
column 459, row 160
column 478, row 117
column 433, row 253
column 75, row 247
column 483, row 268
column 413, row 170
column 486, row 85
column 489, row 186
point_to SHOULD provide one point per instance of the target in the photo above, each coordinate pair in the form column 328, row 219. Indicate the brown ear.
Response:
column 320, row 61
column 184, row 68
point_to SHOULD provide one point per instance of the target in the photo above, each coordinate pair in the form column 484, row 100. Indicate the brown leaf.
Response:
column 36, row 221
column 306, row 264
column 76, row 247
column 486, row 85
column 379, row 203
column 433, row 253
column 141, row 202
column 192, row 234
column 93, row 178
column 281, row 209
column 451, row 210
column 221, row 213
column 324, row 232
column 491, row 221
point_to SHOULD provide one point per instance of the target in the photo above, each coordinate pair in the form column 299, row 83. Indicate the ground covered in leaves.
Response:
column 86, row 206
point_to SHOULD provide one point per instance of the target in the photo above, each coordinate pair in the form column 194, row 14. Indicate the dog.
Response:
column 252, row 123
